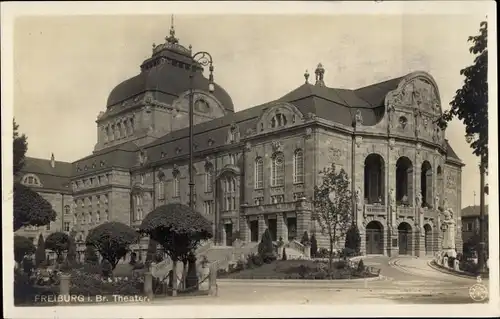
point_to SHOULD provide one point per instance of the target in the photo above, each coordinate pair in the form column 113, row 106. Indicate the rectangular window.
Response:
column 297, row 196
column 207, row 207
column 47, row 227
column 208, row 181
column 161, row 190
column 67, row 226
column 177, row 191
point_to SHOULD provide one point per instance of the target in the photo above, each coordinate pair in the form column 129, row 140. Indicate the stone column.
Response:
column 64, row 288
column 148, row 285
column 280, row 221
column 303, row 209
column 262, row 225
column 244, row 229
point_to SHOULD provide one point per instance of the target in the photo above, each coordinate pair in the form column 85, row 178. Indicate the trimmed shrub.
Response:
column 91, row 256
column 22, row 247
column 305, row 239
column 314, row 246
column 30, row 208
column 254, row 260
column 59, row 243
column 284, row 254
column 361, row 266
column 112, row 239
column 353, row 240
column 266, row 248
column 40, row 252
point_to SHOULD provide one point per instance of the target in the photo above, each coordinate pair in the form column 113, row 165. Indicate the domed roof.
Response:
column 166, row 76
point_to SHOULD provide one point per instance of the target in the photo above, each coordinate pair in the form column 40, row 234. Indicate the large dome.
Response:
column 166, row 76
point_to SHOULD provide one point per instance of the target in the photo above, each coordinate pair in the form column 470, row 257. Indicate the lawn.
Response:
column 298, row 269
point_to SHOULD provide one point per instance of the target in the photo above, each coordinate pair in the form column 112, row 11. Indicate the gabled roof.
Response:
column 451, row 153
column 473, row 211
column 122, row 155
column 53, row 178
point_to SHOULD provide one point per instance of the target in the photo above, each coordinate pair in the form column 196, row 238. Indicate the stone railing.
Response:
column 297, row 246
column 270, row 208
column 405, row 211
column 375, row 209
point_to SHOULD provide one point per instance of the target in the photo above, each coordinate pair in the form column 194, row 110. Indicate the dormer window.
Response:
column 31, row 180
column 278, row 120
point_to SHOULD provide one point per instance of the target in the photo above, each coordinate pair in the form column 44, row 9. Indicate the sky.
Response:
column 65, row 66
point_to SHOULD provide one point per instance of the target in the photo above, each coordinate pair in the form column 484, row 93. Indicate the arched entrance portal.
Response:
column 428, row 239
column 404, row 238
column 374, row 238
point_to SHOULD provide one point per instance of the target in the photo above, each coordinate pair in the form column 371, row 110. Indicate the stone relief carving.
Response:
column 419, row 147
column 248, row 146
column 277, row 146
column 336, row 154
column 358, row 140
column 359, row 118
column 308, row 132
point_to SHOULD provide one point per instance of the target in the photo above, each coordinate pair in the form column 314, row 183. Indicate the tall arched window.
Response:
column 112, row 133
column 177, row 191
column 138, row 207
column 118, row 130
column 161, row 189
column 208, row 178
column 298, row 166
column 278, row 170
column 259, row 173
column 426, row 184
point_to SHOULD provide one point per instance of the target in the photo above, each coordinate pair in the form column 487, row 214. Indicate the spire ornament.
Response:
column 306, row 76
column 172, row 39
column 320, row 72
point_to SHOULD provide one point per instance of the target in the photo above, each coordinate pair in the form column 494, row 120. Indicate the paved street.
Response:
column 408, row 280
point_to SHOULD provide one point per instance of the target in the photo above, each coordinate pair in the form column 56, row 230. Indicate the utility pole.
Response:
column 482, row 254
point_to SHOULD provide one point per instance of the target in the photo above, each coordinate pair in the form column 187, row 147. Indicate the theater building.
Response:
column 257, row 168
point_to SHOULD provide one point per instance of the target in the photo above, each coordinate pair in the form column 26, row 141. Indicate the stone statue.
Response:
column 448, row 226
column 418, row 198
column 359, row 201
column 436, row 202
column 392, row 198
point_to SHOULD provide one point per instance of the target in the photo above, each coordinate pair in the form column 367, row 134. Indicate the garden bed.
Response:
column 454, row 272
column 299, row 269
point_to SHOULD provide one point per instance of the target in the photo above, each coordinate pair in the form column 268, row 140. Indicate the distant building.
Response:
column 257, row 168
column 470, row 222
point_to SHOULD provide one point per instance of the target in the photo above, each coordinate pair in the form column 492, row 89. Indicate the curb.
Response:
column 449, row 272
column 297, row 281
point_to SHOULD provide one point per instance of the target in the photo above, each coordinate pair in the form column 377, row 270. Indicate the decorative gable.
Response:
column 279, row 116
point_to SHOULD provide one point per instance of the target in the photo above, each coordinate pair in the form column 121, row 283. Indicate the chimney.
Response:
column 52, row 161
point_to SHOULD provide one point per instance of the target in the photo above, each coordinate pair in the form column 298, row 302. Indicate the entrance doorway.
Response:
column 229, row 234
column 292, row 228
column 428, row 239
column 404, row 238
column 254, row 231
column 272, row 224
column 374, row 238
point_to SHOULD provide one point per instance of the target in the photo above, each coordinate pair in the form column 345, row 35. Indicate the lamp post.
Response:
column 200, row 58
column 482, row 245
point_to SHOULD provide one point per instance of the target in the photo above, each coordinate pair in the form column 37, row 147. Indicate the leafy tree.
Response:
column 22, row 247
column 353, row 239
column 40, row 251
column 179, row 229
column 266, row 247
column 305, row 239
column 112, row 240
column 91, row 255
column 30, row 208
column 314, row 246
column 332, row 203
column 20, row 147
column 151, row 254
column 470, row 103
column 57, row 242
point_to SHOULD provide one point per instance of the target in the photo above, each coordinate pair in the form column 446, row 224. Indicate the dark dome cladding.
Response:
column 166, row 75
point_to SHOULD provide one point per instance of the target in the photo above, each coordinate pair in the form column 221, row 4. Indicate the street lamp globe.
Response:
column 211, row 87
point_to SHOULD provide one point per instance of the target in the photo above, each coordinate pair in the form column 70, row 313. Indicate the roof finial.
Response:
column 320, row 72
column 306, row 75
column 172, row 38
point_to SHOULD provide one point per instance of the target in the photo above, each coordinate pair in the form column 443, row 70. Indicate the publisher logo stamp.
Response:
column 478, row 292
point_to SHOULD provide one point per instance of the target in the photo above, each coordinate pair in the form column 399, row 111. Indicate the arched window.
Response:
column 404, row 181
column 278, row 170
column 138, row 207
column 118, row 130
column 177, row 191
column 374, row 179
column 31, row 179
column 259, row 173
column 439, row 185
column 161, row 190
column 229, row 189
column 106, row 134
column 112, row 133
column 90, row 217
column 278, row 120
column 208, row 178
column 426, row 184
column 298, row 167
column 98, row 217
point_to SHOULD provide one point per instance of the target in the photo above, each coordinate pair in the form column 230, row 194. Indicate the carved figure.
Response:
column 436, row 202
column 392, row 197
column 448, row 227
column 418, row 198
